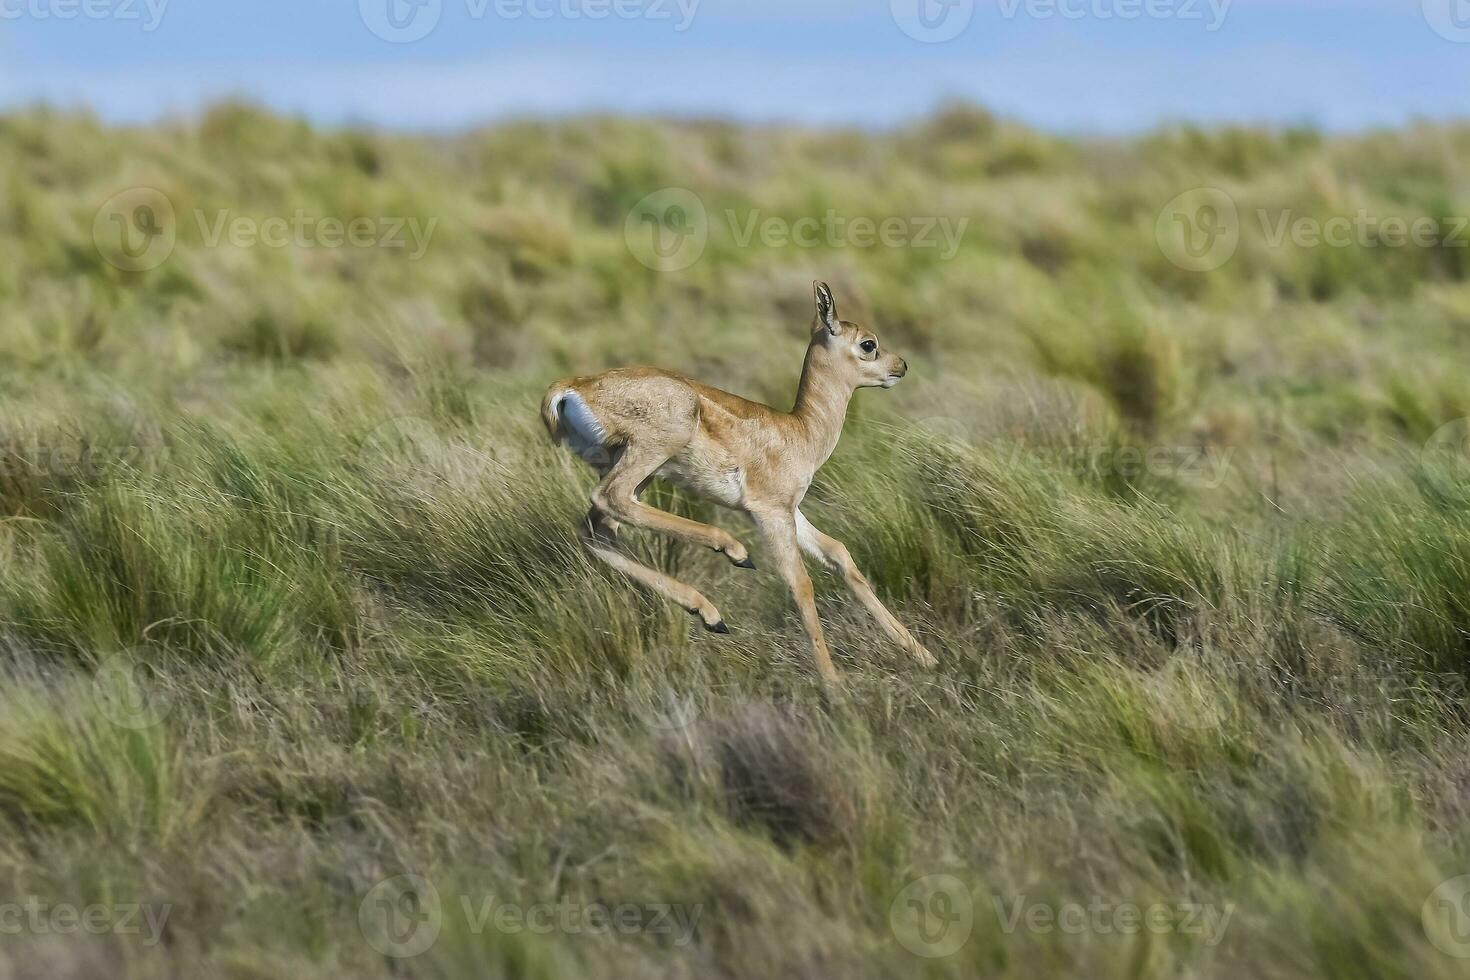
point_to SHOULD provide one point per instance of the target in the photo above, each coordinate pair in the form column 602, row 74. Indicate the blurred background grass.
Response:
column 1201, row 596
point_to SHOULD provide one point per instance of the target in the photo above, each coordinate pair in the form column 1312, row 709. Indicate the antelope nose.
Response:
column 903, row 367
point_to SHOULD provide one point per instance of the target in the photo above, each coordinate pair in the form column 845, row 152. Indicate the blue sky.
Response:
column 1072, row 65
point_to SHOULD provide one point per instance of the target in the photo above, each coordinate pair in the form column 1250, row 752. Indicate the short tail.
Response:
column 569, row 420
column 551, row 413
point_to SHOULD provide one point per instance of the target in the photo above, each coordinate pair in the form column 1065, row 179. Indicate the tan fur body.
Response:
column 632, row 424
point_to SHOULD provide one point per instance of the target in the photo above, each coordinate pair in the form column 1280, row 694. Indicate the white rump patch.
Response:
column 583, row 432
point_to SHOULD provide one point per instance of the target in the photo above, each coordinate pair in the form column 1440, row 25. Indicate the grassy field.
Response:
column 306, row 675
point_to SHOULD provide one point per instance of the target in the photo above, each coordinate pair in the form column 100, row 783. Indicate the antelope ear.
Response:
column 827, row 308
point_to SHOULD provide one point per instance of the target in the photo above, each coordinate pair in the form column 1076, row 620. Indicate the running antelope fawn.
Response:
column 632, row 424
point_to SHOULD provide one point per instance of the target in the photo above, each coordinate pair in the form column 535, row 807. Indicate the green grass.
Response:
column 292, row 604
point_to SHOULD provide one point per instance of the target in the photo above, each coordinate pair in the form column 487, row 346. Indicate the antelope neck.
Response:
column 821, row 405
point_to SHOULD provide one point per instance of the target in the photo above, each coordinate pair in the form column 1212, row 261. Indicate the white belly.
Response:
column 725, row 485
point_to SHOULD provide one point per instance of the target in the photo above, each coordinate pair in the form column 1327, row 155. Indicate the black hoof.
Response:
column 747, row 563
column 719, row 627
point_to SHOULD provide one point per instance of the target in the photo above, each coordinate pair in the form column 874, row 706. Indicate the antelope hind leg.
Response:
column 617, row 496
column 599, row 533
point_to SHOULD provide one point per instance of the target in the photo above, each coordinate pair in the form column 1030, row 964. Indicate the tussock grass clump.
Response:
column 133, row 565
column 73, row 756
column 1136, row 365
column 1399, row 579
column 772, row 777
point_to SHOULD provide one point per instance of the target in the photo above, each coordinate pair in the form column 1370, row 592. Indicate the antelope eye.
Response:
column 868, row 346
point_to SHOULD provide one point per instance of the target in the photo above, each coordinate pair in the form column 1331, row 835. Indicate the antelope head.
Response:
column 848, row 352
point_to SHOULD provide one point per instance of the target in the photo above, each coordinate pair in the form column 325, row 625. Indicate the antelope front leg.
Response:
column 834, row 555
column 779, row 530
